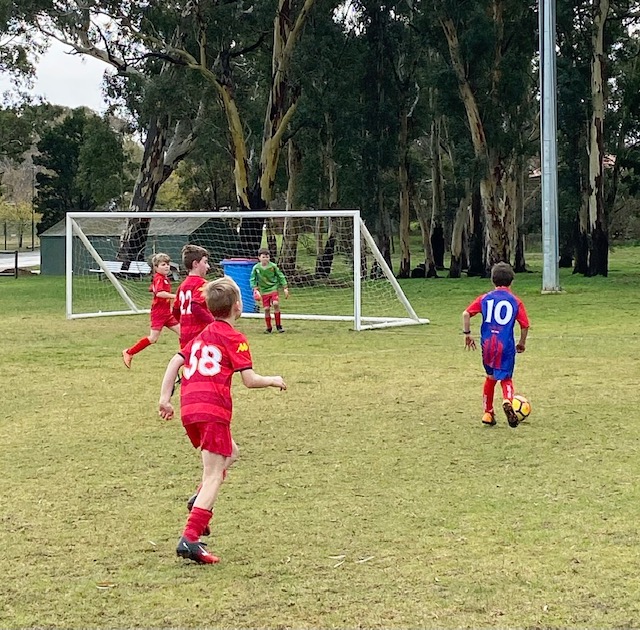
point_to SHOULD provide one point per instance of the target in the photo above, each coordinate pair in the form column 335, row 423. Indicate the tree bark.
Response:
column 288, row 252
column 496, row 237
column 403, row 185
column 597, row 226
column 437, row 192
column 458, row 234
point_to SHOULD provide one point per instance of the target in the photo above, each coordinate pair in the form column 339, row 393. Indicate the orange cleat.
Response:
column 489, row 418
column 126, row 357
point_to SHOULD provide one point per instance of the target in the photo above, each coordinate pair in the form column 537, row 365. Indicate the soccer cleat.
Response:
column 512, row 418
column 489, row 418
column 280, row 329
column 267, row 331
column 195, row 551
column 126, row 357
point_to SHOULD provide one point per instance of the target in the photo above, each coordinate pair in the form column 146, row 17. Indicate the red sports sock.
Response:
column 277, row 316
column 487, row 393
column 267, row 319
column 141, row 345
column 196, row 523
column 507, row 388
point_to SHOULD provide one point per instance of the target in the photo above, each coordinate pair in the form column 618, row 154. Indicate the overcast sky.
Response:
column 70, row 80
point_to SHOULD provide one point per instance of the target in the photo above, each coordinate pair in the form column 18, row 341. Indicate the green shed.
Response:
column 168, row 235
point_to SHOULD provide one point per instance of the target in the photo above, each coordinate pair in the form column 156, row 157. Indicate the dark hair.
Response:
column 502, row 274
column 191, row 254
column 264, row 250
column 221, row 295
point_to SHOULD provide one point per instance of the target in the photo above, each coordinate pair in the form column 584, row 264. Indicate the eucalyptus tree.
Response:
column 598, row 123
column 162, row 105
column 18, row 37
column 215, row 42
column 490, row 45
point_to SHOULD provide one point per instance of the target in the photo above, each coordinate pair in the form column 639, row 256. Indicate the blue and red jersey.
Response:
column 210, row 362
column 500, row 309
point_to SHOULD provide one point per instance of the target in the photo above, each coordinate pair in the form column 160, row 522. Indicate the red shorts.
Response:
column 160, row 320
column 214, row 437
column 269, row 298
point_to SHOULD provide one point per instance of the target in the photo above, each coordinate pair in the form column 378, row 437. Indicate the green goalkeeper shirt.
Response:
column 267, row 279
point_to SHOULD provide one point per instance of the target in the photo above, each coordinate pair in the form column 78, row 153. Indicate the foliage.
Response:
column 82, row 162
column 380, row 503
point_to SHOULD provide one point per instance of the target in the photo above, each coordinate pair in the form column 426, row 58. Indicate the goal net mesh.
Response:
column 109, row 258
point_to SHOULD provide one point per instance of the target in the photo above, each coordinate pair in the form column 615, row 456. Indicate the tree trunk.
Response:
column 520, row 263
column 424, row 220
column 460, row 228
column 597, row 226
column 158, row 162
column 437, row 190
column 497, row 239
column 403, row 185
column 288, row 252
column 477, row 263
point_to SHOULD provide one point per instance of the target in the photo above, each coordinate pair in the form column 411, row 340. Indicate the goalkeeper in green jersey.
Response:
column 266, row 280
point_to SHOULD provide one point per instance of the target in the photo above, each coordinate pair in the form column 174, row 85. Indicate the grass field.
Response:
column 368, row 495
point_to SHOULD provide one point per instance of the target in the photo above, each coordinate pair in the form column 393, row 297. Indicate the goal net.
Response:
column 331, row 262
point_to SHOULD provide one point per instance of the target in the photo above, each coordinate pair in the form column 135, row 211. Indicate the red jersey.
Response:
column 160, row 306
column 210, row 361
column 190, row 309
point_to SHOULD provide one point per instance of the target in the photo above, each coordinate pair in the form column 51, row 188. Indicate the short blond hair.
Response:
column 158, row 258
column 221, row 295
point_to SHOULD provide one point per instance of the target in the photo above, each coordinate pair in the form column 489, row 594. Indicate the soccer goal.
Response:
column 333, row 266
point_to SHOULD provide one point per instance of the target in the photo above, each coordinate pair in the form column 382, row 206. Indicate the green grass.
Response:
column 368, row 495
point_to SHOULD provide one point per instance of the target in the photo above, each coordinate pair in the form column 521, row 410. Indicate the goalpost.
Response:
column 334, row 269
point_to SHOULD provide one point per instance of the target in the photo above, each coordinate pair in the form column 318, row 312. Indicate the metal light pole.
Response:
column 548, row 149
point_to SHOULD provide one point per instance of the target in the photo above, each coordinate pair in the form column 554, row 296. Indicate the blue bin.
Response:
column 240, row 270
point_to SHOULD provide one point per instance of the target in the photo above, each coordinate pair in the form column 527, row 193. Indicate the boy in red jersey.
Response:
column 210, row 361
column 190, row 308
column 500, row 310
column 161, row 315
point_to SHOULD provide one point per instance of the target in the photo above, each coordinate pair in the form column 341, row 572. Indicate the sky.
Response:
column 64, row 79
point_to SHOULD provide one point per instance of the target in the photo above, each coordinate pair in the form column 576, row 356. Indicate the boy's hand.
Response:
column 165, row 409
column 469, row 343
column 520, row 347
column 286, row 292
column 278, row 381
column 256, row 294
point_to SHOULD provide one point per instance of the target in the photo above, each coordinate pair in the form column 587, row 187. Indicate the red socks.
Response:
column 487, row 393
column 197, row 522
column 277, row 316
column 141, row 345
column 267, row 320
column 507, row 389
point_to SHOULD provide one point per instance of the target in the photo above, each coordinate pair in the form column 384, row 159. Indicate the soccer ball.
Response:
column 521, row 407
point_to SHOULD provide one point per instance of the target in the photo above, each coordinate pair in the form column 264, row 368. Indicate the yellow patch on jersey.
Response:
column 242, row 347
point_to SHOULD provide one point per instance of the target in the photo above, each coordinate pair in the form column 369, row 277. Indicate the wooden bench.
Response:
column 136, row 269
